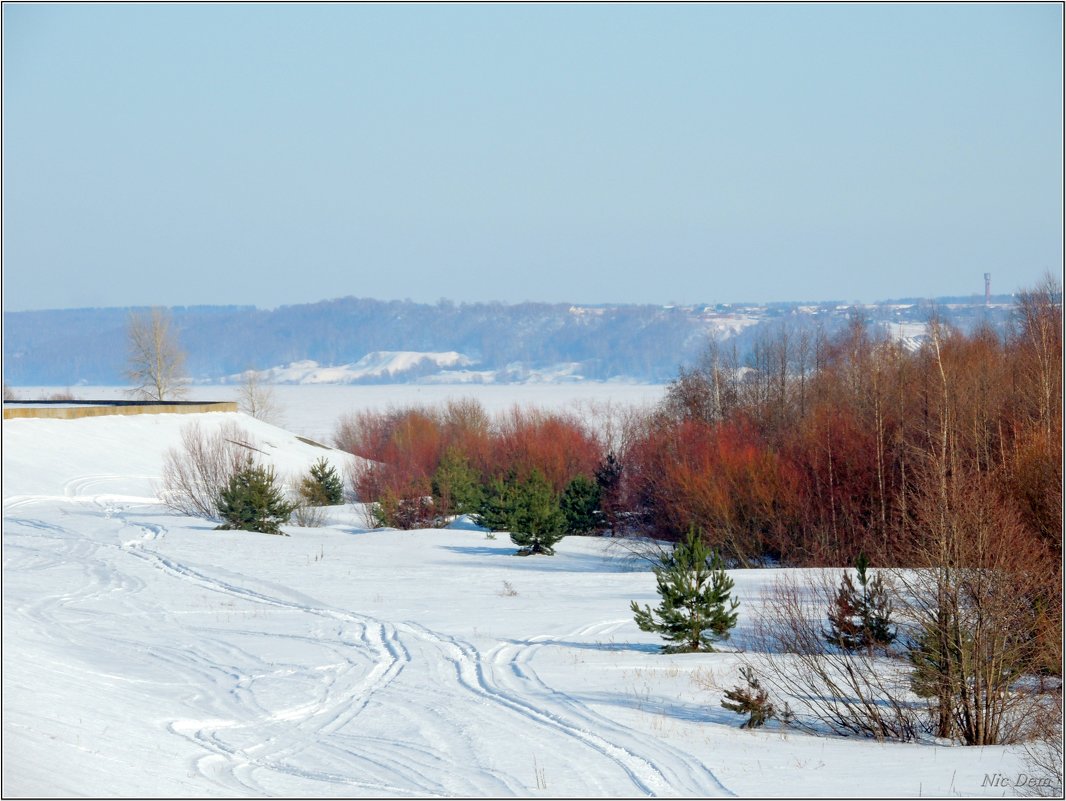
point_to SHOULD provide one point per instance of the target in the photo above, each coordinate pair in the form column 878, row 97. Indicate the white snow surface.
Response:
column 146, row 654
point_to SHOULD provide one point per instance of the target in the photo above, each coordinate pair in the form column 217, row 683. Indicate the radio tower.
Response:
column 988, row 289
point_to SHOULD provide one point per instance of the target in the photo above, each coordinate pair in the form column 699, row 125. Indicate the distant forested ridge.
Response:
column 505, row 342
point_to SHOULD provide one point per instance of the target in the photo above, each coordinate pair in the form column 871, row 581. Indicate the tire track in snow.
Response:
column 81, row 553
column 473, row 675
column 290, row 731
column 320, row 724
column 223, row 763
column 340, row 699
column 76, row 487
column 312, row 725
column 517, row 658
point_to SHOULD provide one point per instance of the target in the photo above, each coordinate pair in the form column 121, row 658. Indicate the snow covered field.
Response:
column 145, row 654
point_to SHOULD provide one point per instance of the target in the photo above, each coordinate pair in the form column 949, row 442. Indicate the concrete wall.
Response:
column 69, row 410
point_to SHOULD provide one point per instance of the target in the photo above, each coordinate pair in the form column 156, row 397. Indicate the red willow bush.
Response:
column 717, row 477
column 404, row 448
column 557, row 444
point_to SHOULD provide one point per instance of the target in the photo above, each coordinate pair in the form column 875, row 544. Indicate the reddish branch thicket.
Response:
column 822, row 460
column 406, row 446
column 810, row 451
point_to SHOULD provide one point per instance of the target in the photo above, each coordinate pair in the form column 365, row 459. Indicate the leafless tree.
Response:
column 864, row 692
column 974, row 602
column 1040, row 335
column 156, row 364
column 256, row 398
column 1044, row 753
column 711, row 389
column 195, row 474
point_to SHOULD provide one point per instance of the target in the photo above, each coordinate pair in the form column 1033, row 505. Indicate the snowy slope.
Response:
column 148, row 654
column 412, row 367
column 377, row 365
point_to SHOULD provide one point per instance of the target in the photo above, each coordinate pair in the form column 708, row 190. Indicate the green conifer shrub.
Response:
column 749, row 699
column 528, row 510
column 580, row 503
column 696, row 608
column 322, row 486
column 253, row 501
column 609, row 482
column 860, row 616
column 539, row 522
column 499, row 503
column 456, row 485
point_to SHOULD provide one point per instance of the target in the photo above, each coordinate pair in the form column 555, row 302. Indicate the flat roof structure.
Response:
column 72, row 409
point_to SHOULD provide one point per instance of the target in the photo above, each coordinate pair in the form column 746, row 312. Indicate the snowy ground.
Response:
column 145, row 654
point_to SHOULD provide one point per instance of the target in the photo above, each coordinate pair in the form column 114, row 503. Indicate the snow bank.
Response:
column 376, row 365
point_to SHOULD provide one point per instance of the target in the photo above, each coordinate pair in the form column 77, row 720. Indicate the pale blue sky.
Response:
column 279, row 154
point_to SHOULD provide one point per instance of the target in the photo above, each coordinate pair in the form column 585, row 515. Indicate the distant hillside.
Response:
column 357, row 340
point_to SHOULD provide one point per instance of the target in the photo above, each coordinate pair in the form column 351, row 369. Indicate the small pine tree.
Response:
column 749, row 699
column 456, row 486
column 861, row 617
column 322, row 486
column 539, row 523
column 252, row 501
column 696, row 608
column 528, row 510
column 499, row 503
column 581, row 506
column 934, row 676
column 845, row 617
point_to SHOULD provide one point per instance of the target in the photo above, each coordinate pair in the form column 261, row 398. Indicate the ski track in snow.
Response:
column 567, row 717
column 672, row 766
column 233, row 768
column 229, row 764
column 248, row 742
column 296, row 729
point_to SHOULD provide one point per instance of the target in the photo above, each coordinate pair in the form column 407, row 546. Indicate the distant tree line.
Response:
column 643, row 342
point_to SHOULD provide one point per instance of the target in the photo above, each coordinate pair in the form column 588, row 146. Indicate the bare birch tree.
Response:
column 156, row 364
column 256, row 398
